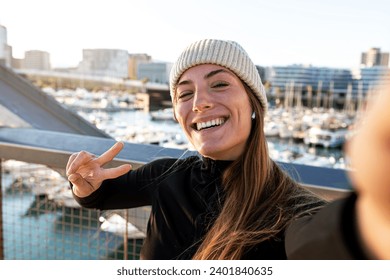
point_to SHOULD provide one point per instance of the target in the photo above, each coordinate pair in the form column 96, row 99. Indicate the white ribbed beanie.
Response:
column 228, row 54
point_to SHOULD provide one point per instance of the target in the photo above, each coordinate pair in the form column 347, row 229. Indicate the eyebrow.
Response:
column 215, row 72
column 207, row 76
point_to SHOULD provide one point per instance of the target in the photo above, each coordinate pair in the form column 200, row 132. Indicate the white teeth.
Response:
column 202, row 125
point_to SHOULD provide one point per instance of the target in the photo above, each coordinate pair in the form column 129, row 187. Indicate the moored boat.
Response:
column 327, row 138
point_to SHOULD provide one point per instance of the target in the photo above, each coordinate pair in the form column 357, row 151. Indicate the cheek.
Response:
column 244, row 110
column 180, row 116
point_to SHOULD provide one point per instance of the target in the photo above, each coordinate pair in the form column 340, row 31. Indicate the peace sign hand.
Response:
column 85, row 171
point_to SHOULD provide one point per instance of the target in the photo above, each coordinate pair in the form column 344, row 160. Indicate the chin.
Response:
column 214, row 155
column 207, row 154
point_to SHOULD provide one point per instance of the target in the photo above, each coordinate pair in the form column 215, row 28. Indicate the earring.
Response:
column 253, row 116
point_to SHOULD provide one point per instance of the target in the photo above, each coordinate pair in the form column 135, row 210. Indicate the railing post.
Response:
column 1, row 211
column 126, row 236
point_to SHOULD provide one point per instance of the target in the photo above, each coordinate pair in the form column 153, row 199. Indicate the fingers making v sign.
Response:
column 86, row 173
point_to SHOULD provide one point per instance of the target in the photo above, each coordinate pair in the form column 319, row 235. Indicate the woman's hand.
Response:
column 369, row 153
column 85, row 171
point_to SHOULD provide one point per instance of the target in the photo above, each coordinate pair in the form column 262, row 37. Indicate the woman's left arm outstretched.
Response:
column 369, row 153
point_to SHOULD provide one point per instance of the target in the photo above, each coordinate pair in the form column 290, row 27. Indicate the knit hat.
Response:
column 228, row 54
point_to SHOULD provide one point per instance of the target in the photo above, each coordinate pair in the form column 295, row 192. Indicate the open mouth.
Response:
column 209, row 124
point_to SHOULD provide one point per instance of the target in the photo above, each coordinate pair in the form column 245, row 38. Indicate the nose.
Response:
column 202, row 101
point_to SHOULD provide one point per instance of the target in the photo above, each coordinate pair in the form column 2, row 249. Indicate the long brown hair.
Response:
column 261, row 199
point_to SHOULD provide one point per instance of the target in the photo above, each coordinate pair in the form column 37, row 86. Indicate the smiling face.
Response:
column 214, row 111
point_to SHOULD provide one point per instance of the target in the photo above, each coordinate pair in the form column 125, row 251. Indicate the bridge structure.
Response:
column 59, row 79
column 155, row 95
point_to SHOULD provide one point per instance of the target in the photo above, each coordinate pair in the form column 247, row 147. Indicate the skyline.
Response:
column 324, row 34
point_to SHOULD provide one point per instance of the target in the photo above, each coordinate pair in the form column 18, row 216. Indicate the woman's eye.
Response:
column 185, row 95
column 220, row 84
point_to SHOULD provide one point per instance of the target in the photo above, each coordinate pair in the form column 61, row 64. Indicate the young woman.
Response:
column 232, row 201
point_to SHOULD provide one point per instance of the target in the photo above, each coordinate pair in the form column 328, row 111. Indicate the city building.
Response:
column 155, row 72
column 37, row 60
column 308, row 80
column 134, row 61
column 5, row 49
column 279, row 77
column 331, row 80
column 340, row 84
column 367, row 79
column 374, row 57
column 105, row 62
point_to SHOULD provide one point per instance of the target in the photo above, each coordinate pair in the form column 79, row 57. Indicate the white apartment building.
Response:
column 37, row 60
column 374, row 57
column 105, row 62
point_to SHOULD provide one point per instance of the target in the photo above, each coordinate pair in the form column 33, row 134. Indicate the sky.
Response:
column 323, row 33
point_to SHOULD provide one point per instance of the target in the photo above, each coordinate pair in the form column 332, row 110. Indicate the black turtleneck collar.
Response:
column 213, row 166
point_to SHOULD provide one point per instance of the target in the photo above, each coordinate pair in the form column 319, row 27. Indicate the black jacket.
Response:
column 186, row 196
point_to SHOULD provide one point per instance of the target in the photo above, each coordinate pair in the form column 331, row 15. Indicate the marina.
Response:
column 313, row 136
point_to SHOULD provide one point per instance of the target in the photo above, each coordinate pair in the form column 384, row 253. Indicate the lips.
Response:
column 208, row 124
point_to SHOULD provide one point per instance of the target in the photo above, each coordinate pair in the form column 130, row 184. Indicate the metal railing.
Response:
column 40, row 219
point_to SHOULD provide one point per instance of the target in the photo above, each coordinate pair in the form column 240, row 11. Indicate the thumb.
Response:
column 75, row 178
column 80, row 187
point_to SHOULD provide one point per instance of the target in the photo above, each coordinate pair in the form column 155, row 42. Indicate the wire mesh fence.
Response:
column 41, row 220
